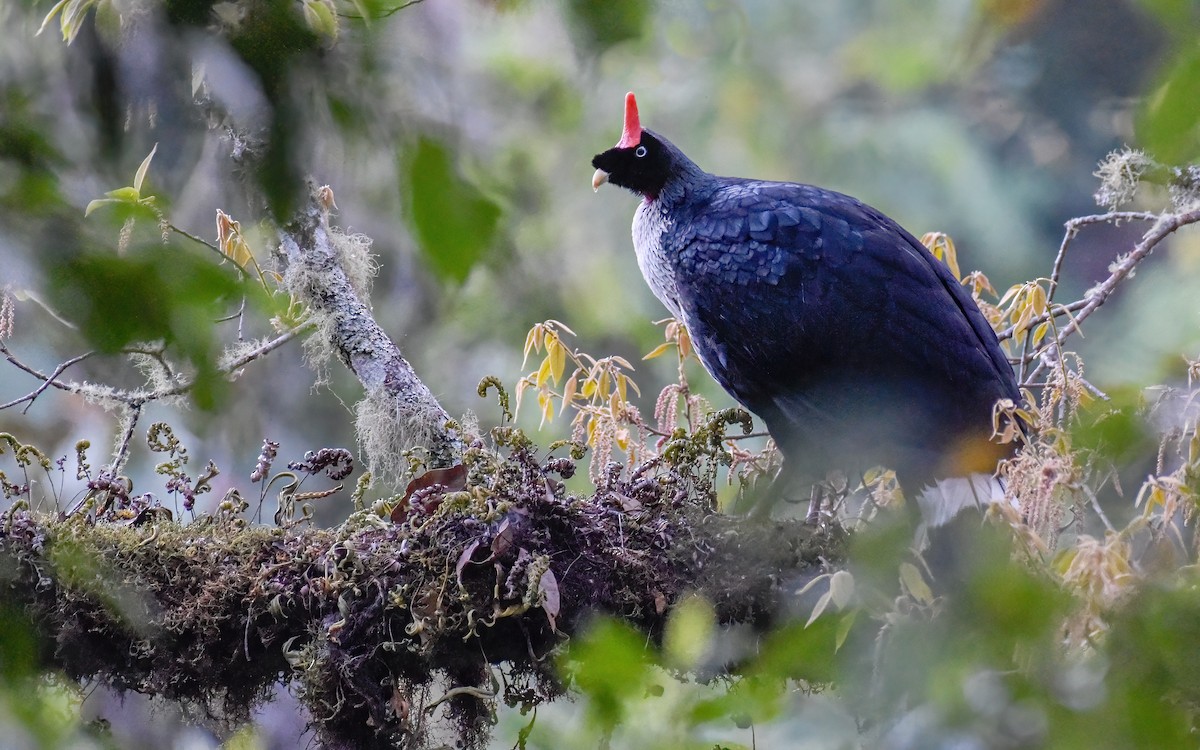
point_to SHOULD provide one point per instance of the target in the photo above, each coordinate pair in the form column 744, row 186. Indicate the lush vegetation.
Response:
column 453, row 140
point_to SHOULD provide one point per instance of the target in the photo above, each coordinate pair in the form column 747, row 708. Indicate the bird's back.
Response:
column 836, row 326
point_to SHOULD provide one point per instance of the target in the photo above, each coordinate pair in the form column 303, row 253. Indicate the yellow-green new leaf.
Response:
column 914, row 582
column 841, row 588
column 660, row 350
column 58, row 7
column 140, row 176
column 543, row 373
column 533, row 340
column 943, row 249
column 320, row 18
column 569, row 389
column 689, row 631
column 547, row 405
column 93, row 205
column 125, row 195
column 558, row 359
column 845, row 622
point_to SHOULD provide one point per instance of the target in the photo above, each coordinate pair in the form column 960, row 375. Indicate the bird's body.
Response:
column 819, row 314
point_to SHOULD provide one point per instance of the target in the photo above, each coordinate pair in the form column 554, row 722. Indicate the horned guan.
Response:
column 823, row 316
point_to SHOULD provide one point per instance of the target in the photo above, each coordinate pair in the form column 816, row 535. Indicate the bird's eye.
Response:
column 641, row 151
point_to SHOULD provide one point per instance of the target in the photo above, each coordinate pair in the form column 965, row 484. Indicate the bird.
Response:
column 840, row 330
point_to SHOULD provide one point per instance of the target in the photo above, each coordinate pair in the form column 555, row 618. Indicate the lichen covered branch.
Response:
column 399, row 411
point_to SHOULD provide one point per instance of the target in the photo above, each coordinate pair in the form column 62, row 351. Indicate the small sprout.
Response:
column 943, row 249
column 233, row 245
column 131, row 195
column 360, row 491
column 491, row 381
column 325, row 198
column 161, row 439
column 1027, row 302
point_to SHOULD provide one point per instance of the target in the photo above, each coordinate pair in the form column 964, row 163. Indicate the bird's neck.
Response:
column 687, row 182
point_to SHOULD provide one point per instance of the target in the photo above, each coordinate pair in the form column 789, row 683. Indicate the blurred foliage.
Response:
column 37, row 709
column 1169, row 125
column 454, row 221
column 986, row 668
column 1115, row 430
column 165, row 294
column 600, row 24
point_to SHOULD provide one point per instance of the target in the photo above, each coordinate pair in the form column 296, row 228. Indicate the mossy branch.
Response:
column 365, row 619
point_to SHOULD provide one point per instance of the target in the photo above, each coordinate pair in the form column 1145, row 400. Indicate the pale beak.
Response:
column 599, row 179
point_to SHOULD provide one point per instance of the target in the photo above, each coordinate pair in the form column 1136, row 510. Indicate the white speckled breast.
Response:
column 650, row 223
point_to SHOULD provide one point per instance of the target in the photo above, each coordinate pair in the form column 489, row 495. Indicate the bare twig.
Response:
column 136, row 398
column 1074, row 225
column 266, row 347
column 47, row 380
column 121, row 452
column 198, row 240
column 1099, row 294
column 1047, row 353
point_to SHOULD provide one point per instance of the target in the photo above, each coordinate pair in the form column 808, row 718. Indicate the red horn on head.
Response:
column 632, row 133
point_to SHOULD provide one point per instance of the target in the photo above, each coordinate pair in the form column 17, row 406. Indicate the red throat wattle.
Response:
column 631, row 135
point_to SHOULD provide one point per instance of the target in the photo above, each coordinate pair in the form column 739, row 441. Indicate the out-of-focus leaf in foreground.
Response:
column 455, row 223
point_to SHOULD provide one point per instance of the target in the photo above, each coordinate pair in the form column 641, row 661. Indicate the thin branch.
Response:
column 199, row 240
column 1054, row 312
column 135, row 399
column 266, row 347
column 121, row 452
column 1047, row 353
column 1124, row 267
column 1072, row 229
column 47, row 380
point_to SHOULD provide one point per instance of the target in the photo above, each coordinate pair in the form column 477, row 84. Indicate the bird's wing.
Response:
column 785, row 287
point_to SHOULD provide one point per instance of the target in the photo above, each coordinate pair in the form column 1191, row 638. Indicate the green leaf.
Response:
column 320, row 18
column 163, row 294
column 93, row 205
column 1176, row 15
column 689, row 632
column 915, row 583
column 454, row 222
column 1169, row 124
column 72, row 18
column 125, row 195
column 140, row 176
column 845, row 622
column 611, row 668
column 599, row 24
column 58, row 8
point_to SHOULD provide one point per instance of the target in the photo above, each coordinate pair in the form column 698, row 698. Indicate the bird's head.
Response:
column 641, row 161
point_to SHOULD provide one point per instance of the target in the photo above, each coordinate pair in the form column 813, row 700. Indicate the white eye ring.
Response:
column 641, row 151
